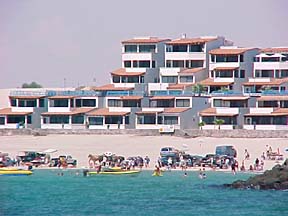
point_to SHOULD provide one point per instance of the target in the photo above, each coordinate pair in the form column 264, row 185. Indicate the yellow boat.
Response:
column 14, row 171
column 157, row 174
column 122, row 172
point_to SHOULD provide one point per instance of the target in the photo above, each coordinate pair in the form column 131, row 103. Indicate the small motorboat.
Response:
column 14, row 171
column 112, row 171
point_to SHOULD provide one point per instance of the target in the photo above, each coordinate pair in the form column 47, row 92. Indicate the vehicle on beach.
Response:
column 169, row 151
column 228, row 150
column 63, row 161
column 5, row 160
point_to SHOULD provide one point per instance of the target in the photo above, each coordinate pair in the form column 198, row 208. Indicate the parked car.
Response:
column 169, row 151
column 228, row 150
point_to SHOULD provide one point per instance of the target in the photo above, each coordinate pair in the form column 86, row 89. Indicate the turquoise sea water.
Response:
column 46, row 193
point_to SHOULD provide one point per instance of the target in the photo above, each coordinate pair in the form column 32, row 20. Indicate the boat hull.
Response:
column 15, row 172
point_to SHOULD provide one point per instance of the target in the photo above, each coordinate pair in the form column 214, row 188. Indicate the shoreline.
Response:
column 80, row 146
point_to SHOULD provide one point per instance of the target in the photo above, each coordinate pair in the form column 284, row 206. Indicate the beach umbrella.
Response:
column 48, row 151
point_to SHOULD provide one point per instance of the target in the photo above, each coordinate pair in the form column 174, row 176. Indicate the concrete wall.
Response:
column 182, row 133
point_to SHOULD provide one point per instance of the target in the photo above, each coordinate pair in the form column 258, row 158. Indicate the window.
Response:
column 114, row 103
column 2, row 120
column 13, row 102
column 212, row 58
column 170, row 120
column 132, row 79
column 196, row 48
column 127, row 64
column 182, row 103
column 78, row 119
column 153, row 64
column 180, row 48
column 29, row 119
column 217, row 103
column 284, row 73
column 169, row 48
column 21, row 103
column 144, row 64
column 88, row 102
column 256, row 59
column 168, row 63
column 147, row 48
column 59, row 119
column 228, row 58
column 41, row 102
column 178, row 63
column 169, row 79
column 149, row 119
column 15, row 119
column 131, row 103
column 113, row 120
column 236, row 73
column 135, row 64
column 224, row 73
column 130, row 48
column 185, row 79
column 241, row 58
column 71, row 103
column 116, row 79
column 31, row 103
column 60, row 102
column 197, row 63
column 126, row 119
column 242, row 73
column 95, row 120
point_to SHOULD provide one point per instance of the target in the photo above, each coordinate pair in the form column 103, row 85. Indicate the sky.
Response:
column 78, row 42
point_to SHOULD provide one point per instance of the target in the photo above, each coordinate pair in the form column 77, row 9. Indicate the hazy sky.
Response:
column 80, row 40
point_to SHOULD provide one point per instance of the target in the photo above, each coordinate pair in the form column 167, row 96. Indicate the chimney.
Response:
column 183, row 36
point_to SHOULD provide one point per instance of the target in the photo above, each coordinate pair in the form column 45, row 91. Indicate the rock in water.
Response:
column 276, row 179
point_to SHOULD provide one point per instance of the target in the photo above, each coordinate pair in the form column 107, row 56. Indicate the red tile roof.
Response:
column 191, row 70
column 162, row 98
column 213, row 112
column 122, row 72
column 211, row 82
column 8, row 111
column 191, row 41
column 225, row 68
column 181, row 86
column 74, row 111
column 272, row 82
column 175, row 110
column 273, row 98
column 105, row 112
column 145, row 40
column 111, row 87
column 132, row 97
column 275, row 50
column 226, row 51
column 27, row 97
column 61, row 97
column 148, row 112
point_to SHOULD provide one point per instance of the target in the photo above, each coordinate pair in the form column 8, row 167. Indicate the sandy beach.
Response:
column 80, row 146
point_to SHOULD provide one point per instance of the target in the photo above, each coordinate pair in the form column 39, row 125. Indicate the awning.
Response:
column 131, row 97
column 106, row 112
column 8, row 111
column 162, row 98
column 225, row 68
column 123, row 72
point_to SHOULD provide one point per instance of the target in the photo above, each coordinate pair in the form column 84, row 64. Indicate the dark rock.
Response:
column 276, row 179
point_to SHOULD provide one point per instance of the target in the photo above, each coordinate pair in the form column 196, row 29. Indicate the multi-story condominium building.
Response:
column 187, row 61
column 229, row 67
column 229, row 108
column 270, row 71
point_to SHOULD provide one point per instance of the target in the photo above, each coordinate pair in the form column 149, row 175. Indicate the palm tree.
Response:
column 198, row 88
column 201, row 124
column 219, row 122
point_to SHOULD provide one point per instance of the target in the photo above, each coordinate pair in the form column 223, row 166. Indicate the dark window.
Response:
column 21, row 103
column 59, row 119
column 41, row 102
column 170, row 120
column 169, row 79
column 196, row 48
column 95, row 120
column 15, row 119
column 13, row 102
column 126, row 119
column 29, row 119
column 168, row 63
column 71, row 103
column 113, row 120
column 180, row 48
column 77, row 119
column 153, row 64
column 114, row 103
column 89, row 102
column 212, row 58
column 60, row 102
column 144, row 64
column 31, row 103
column 182, row 103
column 116, row 79
column 2, row 120
column 184, row 79
column 130, row 48
column 78, row 103
column 135, row 64
column 236, row 73
column 151, row 119
column 196, row 63
column 147, row 48
column 242, row 73
column 127, row 64
column 178, row 63
column 241, row 58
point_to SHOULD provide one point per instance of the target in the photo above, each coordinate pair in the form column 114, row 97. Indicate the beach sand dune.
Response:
column 80, row 146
